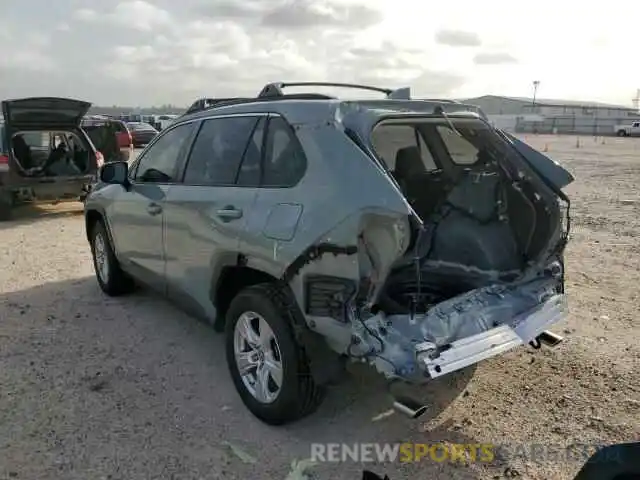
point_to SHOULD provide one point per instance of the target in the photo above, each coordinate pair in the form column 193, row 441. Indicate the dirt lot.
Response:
column 98, row 388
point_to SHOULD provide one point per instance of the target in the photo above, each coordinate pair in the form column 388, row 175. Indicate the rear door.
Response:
column 206, row 214
column 137, row 214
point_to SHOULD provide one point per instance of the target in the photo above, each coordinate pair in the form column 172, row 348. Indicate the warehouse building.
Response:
column 523, row 115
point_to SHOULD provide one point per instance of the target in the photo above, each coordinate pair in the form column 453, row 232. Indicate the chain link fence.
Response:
column 573, row 124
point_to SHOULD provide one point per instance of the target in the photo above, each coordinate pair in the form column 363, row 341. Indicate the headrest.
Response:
column 409, row 162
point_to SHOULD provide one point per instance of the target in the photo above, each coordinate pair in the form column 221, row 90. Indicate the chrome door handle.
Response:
column 229, row 213
column 154, row 209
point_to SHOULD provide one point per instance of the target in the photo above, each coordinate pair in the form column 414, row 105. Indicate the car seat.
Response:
column 423, row 189
column 22, row 152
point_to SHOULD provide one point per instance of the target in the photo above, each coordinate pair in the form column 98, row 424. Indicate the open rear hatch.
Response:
column 48, row 111
column 49, row 169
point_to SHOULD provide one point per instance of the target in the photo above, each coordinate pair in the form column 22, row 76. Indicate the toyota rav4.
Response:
column 409, row 234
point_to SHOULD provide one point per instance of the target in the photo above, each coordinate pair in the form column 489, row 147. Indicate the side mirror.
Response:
column 115, row 173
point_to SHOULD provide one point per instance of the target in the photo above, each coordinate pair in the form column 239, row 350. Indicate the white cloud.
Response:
column 135, row 14
column 140, row 15
column 86, row 14
column 161, row 51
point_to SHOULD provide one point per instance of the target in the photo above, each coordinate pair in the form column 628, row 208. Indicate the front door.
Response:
column 138, row 212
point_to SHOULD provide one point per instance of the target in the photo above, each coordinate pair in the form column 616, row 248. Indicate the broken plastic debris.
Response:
column 241, row 454
column 386, row 414
column 299, row 469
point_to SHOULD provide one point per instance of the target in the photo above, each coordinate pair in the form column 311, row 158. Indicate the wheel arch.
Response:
column 326, row 365
column 94, row 215
column 230, row 280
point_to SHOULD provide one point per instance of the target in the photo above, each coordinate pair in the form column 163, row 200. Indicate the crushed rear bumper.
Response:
column 470, row 350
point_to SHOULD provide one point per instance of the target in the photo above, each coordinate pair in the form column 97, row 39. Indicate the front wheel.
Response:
column 112, row 279
column 269, row 368
column 622, row 133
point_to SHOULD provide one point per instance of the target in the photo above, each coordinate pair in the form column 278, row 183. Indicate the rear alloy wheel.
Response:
column 257, row 356
column 269, row 368
column 112, row 279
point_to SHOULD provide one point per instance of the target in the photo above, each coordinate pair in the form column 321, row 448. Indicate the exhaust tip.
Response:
column 409, row 407
column 550, row 339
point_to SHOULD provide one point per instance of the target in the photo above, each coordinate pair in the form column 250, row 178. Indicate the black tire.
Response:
column 6, row 206
column 622, row 133
column 6, row 211
column 299, row 395
column 116, row 282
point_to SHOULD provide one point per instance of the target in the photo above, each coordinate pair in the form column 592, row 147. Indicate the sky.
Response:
column 153, row 52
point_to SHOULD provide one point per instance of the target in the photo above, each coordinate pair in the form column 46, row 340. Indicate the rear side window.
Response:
column 218, row 151
column 388, row 140
column 284, row 160
column 461, row 150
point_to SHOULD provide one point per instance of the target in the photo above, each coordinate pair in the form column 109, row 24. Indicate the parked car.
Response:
column 407, row 234
column 101, row 130
column 630, row 130
column 141, row 133
column 45, row 155
column 165, row 120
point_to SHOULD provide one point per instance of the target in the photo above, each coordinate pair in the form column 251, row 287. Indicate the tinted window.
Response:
column 387, row 140
column 218, row 151
column 460, row 149
column 284, row 160
column 36, row 140
column 158, row 163
column 249, row 174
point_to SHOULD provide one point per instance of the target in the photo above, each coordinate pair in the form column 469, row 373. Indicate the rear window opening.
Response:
column 46, row 153
column 458, row 176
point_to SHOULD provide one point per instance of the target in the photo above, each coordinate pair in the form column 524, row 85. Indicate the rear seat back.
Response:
column 424, row 189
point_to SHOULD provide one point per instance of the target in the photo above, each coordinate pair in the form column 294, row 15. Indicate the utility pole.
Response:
column 536, row 84
column 636, row 100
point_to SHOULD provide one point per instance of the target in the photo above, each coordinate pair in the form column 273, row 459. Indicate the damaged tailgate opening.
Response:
column 483, row 271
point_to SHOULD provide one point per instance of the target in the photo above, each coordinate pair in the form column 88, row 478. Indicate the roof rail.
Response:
column 272, row 90
column 204, row 103
column 439, row 100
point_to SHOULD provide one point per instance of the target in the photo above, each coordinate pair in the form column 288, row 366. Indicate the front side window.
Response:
column 218, row 150
column 159, row 163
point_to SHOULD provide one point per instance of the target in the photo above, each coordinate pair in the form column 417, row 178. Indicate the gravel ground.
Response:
column 131, row 388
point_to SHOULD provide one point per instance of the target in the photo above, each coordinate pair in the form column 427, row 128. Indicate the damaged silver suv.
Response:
column 409, row 234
